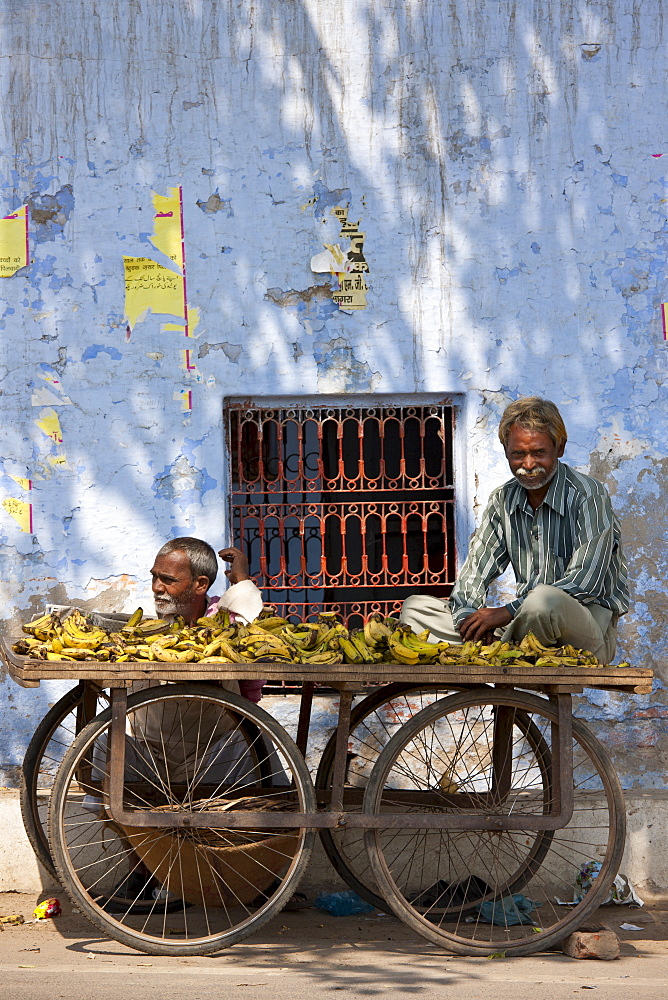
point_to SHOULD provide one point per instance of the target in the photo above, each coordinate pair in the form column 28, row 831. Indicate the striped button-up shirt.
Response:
column 572, row 542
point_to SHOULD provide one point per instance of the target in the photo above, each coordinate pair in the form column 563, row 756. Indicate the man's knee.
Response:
column 412, row 603
column 544, row 599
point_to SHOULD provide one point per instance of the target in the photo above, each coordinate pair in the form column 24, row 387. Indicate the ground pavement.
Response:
column 308, row 954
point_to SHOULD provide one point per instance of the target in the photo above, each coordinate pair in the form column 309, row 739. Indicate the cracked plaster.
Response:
column 516, row 227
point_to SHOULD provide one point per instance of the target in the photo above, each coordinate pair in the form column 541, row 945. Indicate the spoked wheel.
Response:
column 189, row 748
column 477, row 892
column 373, row 722
column 52, row 738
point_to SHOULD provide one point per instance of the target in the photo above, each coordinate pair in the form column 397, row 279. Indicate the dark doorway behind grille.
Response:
column 346, row 509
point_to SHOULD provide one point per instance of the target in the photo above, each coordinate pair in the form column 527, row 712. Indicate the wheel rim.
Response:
column 374, row 721
column 425, row 875
column 185, row 748
column 44, row 755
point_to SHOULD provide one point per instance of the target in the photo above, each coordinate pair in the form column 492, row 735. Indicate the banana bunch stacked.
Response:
column 272, row 639
column 527, row 653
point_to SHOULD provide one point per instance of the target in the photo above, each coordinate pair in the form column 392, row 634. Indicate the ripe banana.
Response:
column 135, row 618
column 273, row 639
column 350, row 651
column 169, row 655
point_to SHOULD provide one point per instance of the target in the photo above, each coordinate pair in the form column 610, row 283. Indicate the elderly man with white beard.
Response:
column 183, row 572
column 556, row 528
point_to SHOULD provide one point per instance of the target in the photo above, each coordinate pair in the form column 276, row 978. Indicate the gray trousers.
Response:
column 555, row 618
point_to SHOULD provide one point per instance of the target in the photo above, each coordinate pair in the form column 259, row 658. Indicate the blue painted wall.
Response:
column 500, row 159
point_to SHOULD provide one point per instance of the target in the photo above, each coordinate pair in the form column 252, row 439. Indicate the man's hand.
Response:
column 238, row 570
column 482, row 623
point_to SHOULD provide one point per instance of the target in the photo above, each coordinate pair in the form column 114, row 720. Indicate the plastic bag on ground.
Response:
column 508, row 911
column 342, row 904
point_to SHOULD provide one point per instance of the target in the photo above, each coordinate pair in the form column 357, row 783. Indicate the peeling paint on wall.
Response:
column 14, row 242
column 517, row 241
column 312, row 306
column 49, row 213
column 340, row 371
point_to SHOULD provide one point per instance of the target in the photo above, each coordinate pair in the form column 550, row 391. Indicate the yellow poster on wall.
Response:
column 14, row 248
column 20, row 511
column 150, row 286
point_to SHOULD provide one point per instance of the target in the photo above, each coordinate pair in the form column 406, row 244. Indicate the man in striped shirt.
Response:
column 557, row 530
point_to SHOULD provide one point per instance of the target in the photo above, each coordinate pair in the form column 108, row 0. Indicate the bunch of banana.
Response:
column 42, row 629
column 272, row 639
column 408, row 647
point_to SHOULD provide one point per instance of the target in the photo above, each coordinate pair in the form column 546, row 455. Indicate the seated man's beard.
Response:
column 169, row 607
column 536, row 479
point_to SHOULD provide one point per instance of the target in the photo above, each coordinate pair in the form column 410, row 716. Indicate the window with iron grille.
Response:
column 343, row 508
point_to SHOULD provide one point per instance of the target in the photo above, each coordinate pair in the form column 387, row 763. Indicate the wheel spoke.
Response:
column 189, row 890
column 426, row 873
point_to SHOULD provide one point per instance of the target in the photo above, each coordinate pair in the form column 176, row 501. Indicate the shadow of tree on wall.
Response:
column 496, row 157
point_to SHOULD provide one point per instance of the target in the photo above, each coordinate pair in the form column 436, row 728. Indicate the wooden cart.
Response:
column 466, row 800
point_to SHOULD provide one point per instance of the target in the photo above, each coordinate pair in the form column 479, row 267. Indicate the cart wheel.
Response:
column 52, row 738
column 373, row 722
column 449, row 884
column 189, row 748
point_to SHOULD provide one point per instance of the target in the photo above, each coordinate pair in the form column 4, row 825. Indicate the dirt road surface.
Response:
column 309, row 955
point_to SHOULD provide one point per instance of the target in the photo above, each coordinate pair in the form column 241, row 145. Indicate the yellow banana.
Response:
column 135, row 618
column 350, row 651
column 139, row 652
column 41, row 626
column 323, row 656
column 164, row 641
column 357, row 638
column 549, row 661
column 401, row 653
column 211, row 647
column 272, row 622
column 172, row 655
column 226, row 649
column 89, row 642
column 493, row 649
column 375, row 630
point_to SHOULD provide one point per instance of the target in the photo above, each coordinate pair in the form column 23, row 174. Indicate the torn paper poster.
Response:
column 185, row 397
column 347, row 265
column 20, row 511
column 14, row 246
column 50, row 425
column 43, row 396
column 330, row 261
column 168, row 225
column 664, row 318
column 188, row 362
column 149, row 285
column 25, row 484
column 189, row 329
column 351, row 293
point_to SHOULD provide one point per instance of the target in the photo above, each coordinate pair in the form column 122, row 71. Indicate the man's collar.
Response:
column 554, row 498
column 556, row 494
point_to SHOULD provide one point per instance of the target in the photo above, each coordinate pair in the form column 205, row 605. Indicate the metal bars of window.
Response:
column 346, row 509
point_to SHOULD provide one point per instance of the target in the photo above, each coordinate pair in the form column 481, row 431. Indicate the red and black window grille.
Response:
column 343, row 508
